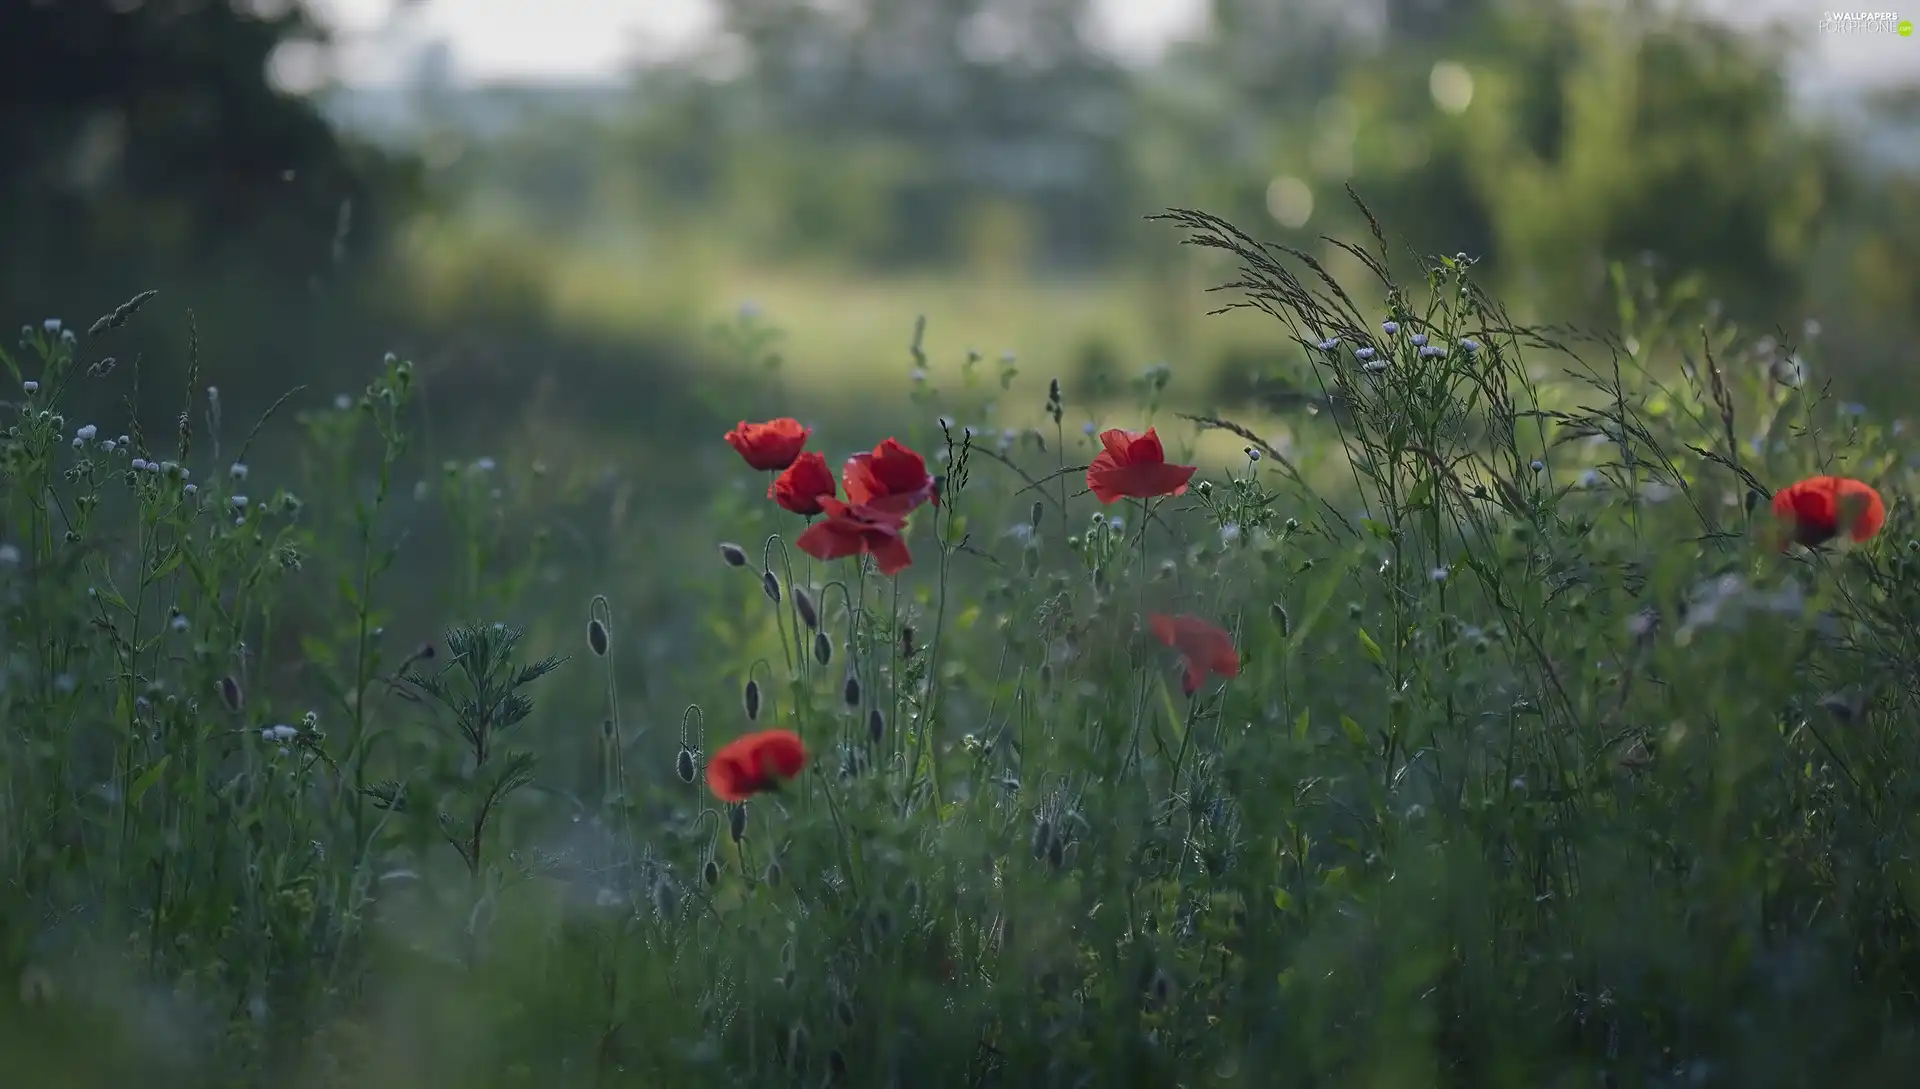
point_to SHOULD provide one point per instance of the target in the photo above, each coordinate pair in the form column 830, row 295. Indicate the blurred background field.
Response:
column 583, row 194
column 551, row 213
column 605, row 233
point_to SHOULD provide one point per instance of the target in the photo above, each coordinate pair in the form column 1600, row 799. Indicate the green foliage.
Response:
column 1536, row 770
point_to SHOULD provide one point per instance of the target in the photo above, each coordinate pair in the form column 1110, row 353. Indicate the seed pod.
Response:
column 1281, row 618
column 597, row 637
column 876, row 725
column 750, row 696
column 772, row 876
column 230, row 693
column 710, row 873
column 737, row 822
column 771, row 586
column 1034, row 515
column 683, row 765
column 822, row 648
column 803, row 605
column 733, row 554
column 851, row 691
column 907, row 647
column 1056, row 854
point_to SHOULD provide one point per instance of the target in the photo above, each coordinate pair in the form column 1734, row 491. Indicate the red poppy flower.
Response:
column 853, row 530
column 800, row 488
column 754, row 763
column 891, row 478
column 1134, row 464
column 1818, row 509
column 1206, row 647
column 771, row 446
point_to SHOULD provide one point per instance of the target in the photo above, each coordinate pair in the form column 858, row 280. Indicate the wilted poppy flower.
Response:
column 770, row 446
column 754, row 763
column 1206, row 647
column 892, row 478
column 1134, row 464
column 1818, row 509
column 800, row 488
column 852, row 530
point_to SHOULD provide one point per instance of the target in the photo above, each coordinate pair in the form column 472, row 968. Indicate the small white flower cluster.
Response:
column 284, row 735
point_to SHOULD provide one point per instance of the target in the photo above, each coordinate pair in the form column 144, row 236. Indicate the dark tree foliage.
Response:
column 145, row 146
column 127, row 121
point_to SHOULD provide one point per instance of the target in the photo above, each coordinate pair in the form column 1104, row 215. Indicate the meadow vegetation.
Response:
column 1516, row 724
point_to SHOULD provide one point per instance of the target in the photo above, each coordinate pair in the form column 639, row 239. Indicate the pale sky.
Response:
column 595, row 39
column 545, row 40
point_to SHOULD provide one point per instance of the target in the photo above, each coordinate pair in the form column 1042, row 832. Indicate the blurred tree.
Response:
column 129, row 122
column 1600, row 135
column 1547, row 136
column 147, row 147
column 954, row 100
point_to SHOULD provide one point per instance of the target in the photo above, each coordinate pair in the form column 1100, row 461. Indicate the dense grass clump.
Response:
column 1492, row 733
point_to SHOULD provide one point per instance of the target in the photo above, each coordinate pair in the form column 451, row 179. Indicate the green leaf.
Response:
column 1378, row 529
column 1372, row 649
column 349, row 596
column 147, row 779
column 1283, row 899
column 1354, row 731
column 1422, row 492
column 1300, row 726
